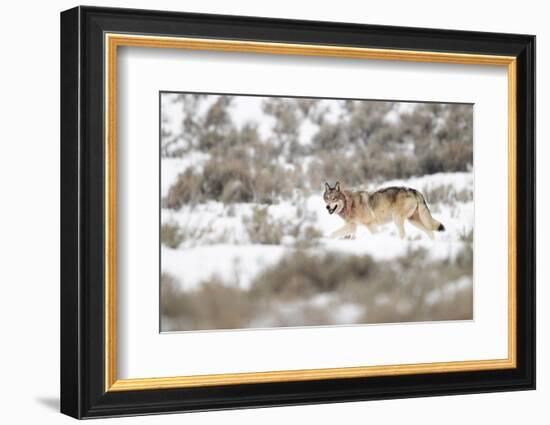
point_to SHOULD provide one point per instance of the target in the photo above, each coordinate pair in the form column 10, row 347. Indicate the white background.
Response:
column 143, row 72
column 29, row 219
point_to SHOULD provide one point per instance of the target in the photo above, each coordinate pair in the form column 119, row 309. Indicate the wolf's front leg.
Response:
column 345, row 230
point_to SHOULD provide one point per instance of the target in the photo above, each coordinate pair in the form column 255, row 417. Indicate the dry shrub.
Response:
column 186, row 190
column 465, row 259
column 401, row 167
column 332, row 137
column 169, row 292
column 306, row 235
column 388, row 166
column 233, row 173
column 262, row 228
column 360, row 168
column 233, row 179
column 302, row 275
column 406, row 283
column 235, row 191
column 270, row 183
column 467, row 236
column 335, row 167
column 226, row 180
column 447, row 194
column 223, row 144
column 213, row 305
column 446, row 157
column 171, row 234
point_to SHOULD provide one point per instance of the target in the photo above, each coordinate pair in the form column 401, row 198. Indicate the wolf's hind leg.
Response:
column 416, row 222
column 346, row 230
column 400, row 223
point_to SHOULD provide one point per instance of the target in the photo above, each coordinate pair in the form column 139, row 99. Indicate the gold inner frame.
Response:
column 113, row 41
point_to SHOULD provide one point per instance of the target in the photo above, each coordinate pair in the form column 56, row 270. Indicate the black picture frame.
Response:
column 83, row 392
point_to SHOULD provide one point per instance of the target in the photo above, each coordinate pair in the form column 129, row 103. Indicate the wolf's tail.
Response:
column 426, row 216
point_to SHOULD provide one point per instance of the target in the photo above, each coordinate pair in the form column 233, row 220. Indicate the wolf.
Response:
column 372, row 209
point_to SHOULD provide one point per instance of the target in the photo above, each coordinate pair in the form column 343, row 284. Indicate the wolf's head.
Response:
column 334, row 198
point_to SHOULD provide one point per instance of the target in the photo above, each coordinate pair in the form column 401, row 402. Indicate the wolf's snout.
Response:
column 331, row 210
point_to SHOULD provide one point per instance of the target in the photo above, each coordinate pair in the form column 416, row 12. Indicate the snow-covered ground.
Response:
column 220, row 245
column 227, row 262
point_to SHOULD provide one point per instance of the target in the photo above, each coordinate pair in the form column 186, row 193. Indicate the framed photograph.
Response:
column 261, row 212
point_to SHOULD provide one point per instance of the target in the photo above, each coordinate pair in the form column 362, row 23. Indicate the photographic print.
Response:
column 294, row 211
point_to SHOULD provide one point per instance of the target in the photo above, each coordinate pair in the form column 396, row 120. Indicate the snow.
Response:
column 385, row 247
column 334, row 110
column 338, row 312
column 307, row 131
column 347, row 313
column 245, row 109
column 282, row 211
column 210, row 222
column 242, row 262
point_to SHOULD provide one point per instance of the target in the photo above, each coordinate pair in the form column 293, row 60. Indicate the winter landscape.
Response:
column 244, row 228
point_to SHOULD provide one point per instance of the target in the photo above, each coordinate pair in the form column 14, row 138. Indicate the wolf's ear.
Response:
column 337, row 186
column 327, row 186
